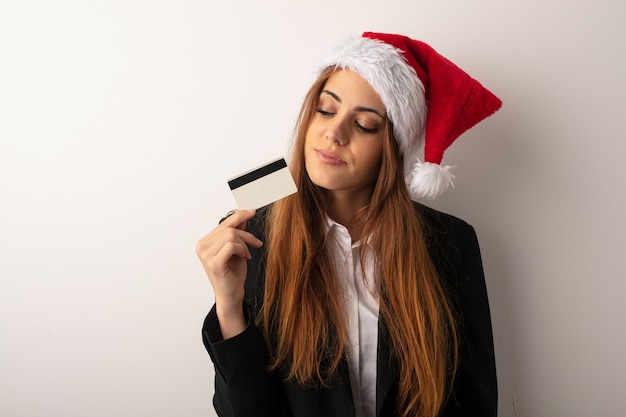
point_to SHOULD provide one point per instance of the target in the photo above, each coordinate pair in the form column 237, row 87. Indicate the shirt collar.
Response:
column 336, row 229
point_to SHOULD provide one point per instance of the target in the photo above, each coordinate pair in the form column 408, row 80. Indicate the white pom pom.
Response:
column 428, row 180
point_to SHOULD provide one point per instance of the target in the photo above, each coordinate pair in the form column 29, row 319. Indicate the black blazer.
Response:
column 243, row 387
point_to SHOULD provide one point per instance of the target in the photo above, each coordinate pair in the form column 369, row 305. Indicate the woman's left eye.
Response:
column 365, row 129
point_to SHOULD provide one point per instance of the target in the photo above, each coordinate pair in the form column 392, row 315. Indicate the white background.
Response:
column 121, row 120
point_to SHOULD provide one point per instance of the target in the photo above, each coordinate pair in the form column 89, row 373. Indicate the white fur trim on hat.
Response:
column 428, row 180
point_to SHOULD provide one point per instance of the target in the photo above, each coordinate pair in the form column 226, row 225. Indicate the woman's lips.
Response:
column 329, row 157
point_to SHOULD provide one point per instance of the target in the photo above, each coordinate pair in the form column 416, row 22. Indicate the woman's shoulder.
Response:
column 438, row 222
column 448, row 238
column 435, row 222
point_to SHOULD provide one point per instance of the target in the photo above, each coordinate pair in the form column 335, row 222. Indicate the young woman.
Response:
column 348, row 298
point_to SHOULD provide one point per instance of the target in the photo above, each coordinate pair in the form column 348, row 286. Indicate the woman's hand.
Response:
column 224, row 254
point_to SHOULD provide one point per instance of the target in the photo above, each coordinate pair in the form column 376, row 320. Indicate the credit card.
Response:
column 262, row 185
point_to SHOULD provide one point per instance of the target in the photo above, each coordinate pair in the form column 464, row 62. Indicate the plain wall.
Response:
column 120, row 122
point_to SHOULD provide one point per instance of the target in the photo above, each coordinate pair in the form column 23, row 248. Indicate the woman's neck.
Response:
column 344, row 207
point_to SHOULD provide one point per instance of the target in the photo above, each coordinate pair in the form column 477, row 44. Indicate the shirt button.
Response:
column 347, row 295
column 349, row 352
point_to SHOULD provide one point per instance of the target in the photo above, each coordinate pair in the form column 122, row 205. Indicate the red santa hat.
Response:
column 429, row 100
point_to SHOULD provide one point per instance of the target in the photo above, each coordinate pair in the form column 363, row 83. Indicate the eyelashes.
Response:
column 328, row 114
column 366, row 129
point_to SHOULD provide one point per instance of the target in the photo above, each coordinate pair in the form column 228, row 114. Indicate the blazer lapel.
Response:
column 385, row 374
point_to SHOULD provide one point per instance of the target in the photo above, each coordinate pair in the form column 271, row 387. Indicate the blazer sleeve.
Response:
column 243, row 385
column 475, row 391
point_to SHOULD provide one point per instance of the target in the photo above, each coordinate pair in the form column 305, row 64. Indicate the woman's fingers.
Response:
column 237, row 223
column 229, row 240
column 223, row 260
column 217, row 241
column 238, row 219
column 224, row 253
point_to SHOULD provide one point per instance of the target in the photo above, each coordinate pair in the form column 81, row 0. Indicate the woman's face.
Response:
column 344, row 141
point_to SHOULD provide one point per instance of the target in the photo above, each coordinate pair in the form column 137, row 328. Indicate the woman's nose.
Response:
column 337, row 132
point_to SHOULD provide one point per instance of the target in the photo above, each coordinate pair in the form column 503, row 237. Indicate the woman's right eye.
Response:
column 324, row 113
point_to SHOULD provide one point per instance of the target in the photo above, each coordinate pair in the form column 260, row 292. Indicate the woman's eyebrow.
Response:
column 358, row 108
column 367, row 109
column 333, row 95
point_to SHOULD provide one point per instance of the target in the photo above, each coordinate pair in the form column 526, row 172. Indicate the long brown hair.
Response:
column 303, row 315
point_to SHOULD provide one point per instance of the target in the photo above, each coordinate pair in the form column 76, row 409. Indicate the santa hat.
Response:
column 429, row 100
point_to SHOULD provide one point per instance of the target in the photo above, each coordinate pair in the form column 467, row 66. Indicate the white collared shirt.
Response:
column 362, row 304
